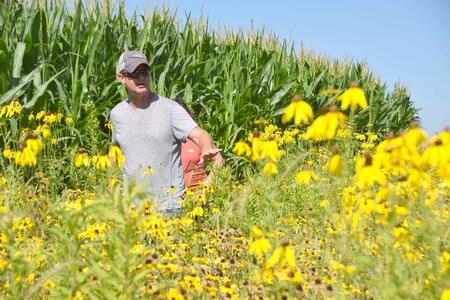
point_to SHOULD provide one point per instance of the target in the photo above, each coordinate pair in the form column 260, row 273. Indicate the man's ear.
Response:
column 121, row 78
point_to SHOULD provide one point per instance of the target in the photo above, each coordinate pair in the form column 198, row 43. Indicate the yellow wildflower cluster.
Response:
column 26, row 156
column 369, row 220
column 101, row 161
column 266, row 146
column 47, row 117
column 11, row 109
column 93, row 232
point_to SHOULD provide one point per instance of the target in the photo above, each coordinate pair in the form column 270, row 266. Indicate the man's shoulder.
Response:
column 119, row 107
column 161, row 100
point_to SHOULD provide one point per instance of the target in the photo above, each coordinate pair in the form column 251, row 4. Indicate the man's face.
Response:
column 139, row 85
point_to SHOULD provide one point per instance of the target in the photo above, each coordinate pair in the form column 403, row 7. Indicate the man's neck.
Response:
column 140, row 101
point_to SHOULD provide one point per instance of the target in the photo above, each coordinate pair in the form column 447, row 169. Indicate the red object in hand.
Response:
column 194, row 173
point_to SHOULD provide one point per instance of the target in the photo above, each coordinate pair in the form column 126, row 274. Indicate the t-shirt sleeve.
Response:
column 182, row 123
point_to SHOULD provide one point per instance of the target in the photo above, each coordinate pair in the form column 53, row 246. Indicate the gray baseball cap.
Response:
column 129, row 60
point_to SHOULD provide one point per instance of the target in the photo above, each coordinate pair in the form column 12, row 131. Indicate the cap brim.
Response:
column 132, row 66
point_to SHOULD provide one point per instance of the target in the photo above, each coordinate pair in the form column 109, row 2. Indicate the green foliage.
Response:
column 57, row 57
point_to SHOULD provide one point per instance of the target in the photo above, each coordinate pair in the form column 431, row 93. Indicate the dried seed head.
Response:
column 333, row 108
column 31, row 136
column 414, row 124
column 354, row 84
column 324, row 110
column 296, row 98
column 334, row 150
column 390, row 135
column 368, row 159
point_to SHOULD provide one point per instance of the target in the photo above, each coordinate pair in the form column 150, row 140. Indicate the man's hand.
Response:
column 206, row 145
column 213, row 154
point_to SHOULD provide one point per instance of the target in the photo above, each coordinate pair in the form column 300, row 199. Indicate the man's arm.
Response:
column 207, row 148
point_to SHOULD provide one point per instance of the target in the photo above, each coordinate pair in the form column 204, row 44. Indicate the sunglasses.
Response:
column 137, row 74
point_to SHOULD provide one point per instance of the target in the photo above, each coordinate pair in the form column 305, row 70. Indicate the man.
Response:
column 149, row 129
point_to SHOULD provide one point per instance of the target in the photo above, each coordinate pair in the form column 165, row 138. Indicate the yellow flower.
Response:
column 270, row 150
column 174, row 294
column 373, row 137
column 283, row 256
column 149, row 171
column 101, row 161
column 7, row 153
column 353, row 97
column 44, row 130
column 49, row 284
column 22, row 225
column 197, row 212
column 113, row 181
column 81, row 158
column 446, row 294
column 229, row 290
column 109, row 126
column 34, row 143
column 324, row 203
column 401, row 210
column 444, row 259
column 50, row 118
column 304, row 177
column 171, row 190
column 270, row 169
column 69, row 120
column 241, row 148
column 361, row 137
column 257, row 144
column 40, row 115
column 3, row 238
column 93, row 232
column 436, row 154
column 368, row 172
column 335, row 164
column 299, row 110
column 116, row 156
column 325, row 126
column 260, row 246
column 26, row 156
column 11, row 109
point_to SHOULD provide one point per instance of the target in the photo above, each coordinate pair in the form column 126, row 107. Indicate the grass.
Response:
column 377, row 229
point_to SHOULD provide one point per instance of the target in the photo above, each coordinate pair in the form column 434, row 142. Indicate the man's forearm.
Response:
column 202, row 139
column 206, row 145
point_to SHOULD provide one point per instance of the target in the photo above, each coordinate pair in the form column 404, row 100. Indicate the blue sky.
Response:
column 402, row 41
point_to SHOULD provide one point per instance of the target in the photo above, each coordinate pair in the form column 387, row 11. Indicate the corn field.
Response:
column 330, row 190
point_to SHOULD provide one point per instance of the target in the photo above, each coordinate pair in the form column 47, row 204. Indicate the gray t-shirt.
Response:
column 150, row 140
